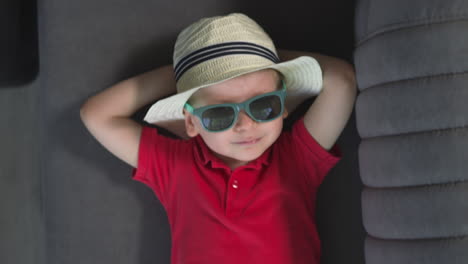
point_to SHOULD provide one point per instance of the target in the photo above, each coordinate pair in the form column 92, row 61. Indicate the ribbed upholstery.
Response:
column 411, row 62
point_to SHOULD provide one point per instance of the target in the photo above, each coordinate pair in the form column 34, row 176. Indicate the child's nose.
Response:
column 244, row 121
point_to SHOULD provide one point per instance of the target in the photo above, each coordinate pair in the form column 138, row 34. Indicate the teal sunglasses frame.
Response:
column 198, row 112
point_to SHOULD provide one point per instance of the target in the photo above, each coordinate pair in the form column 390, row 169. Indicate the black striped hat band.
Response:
column 219, row 50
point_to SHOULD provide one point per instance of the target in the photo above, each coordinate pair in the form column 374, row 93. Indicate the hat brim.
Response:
column 303, row 78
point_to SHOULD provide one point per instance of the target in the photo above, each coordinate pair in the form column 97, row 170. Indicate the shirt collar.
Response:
column 206, row 157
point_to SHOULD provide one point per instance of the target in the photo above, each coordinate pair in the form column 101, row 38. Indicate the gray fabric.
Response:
column 450, row 250
column 390, row 109
column 22, row 233
column 437, row 211
column 360, row 20
column 390, row 160
column 411, row 65
column 413, row 52
column 382, row 16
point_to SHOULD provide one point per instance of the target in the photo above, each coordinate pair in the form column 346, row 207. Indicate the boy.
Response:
column 239, row 190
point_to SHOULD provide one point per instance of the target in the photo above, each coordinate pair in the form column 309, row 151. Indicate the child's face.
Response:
column 226, row 144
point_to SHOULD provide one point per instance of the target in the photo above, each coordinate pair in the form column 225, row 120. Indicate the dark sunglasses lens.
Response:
column 266, row 108
column 218, row 118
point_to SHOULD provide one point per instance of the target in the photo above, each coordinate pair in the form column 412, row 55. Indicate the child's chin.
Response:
column 250, row 154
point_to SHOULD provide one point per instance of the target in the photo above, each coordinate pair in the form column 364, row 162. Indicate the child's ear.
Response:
column 190, row 126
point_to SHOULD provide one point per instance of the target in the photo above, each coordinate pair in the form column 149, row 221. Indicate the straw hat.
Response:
column 215, row 49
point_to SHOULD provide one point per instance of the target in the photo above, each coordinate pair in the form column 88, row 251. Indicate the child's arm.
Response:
column 327, row 116
column 107, row 114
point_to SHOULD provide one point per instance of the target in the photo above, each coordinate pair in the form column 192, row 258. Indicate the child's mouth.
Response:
column 249, row 142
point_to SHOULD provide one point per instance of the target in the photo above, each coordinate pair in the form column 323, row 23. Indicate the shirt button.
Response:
column 234, row 185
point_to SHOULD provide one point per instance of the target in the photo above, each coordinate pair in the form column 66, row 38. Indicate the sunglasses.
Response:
column 261, row 108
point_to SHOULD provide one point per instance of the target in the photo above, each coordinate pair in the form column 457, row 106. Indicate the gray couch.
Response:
column 397, row 196
column 411, row 60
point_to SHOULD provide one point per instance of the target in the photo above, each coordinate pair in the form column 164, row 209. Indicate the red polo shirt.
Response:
column 262, row 212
